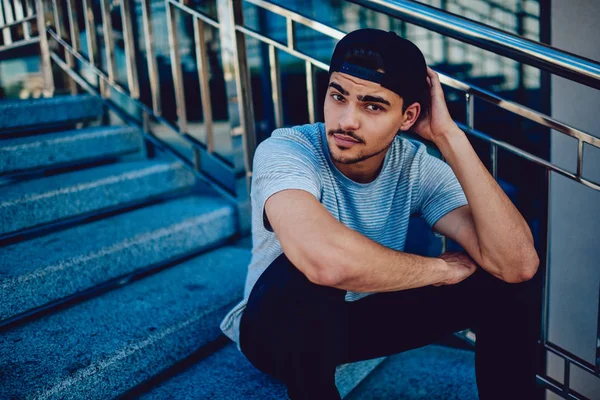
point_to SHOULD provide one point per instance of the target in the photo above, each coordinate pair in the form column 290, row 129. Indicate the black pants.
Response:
column 298, row 332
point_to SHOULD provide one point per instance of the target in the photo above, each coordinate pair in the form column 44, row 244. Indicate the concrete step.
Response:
column 429, row 373
column 35, row 202
column 63, row 148
column 54, row 111
column 42, row 270
column 227, row 374
column 100, row 348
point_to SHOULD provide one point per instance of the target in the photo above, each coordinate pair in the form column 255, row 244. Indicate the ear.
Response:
column 410, row 116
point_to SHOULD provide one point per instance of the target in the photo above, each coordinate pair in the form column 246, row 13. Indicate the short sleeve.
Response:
column 281, row 164
column 439, row 191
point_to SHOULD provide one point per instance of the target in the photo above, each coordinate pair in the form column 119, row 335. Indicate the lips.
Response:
column 344, row 140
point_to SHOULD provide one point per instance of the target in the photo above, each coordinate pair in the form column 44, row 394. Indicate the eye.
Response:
column 374, row 107
column 337, row 97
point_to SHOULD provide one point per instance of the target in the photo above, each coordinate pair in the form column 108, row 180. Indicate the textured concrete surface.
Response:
column 34, row 202
column 39, row 151
column 29, row 113
column 227, row 374
column 51, row 267
column 101, row 347
column 428, row 373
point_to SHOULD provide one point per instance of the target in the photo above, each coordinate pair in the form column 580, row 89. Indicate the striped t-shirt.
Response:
column 411, row 182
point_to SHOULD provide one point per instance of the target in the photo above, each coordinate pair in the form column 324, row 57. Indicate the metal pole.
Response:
column 46, row 67
column 73, row 25
column 8, row 18
column 151, row 57
column 310, row 91
column 60, row 31
column 202, row 65
column 233, row 44
column 130, row 63
column 176, row 67
column 109, row 44
column 275, row 86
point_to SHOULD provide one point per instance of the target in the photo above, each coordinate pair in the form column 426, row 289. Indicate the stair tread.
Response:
column 428, row 373
column 29, row 203
column 59, row 264
column 227, row 374
column 104, row 346
column 25, row 153
column 30, row 113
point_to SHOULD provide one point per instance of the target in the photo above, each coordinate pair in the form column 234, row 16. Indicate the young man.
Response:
column 329, row 282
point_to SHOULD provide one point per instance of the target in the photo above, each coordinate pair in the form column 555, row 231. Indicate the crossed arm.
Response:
column 490, row 229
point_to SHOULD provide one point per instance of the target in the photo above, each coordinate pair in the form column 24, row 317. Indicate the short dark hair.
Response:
column 371, row 59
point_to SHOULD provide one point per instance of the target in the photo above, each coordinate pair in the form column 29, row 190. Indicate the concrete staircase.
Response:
column 115, row 270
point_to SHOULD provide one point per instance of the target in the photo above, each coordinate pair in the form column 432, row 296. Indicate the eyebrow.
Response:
column 367, row 98
column 339, row 88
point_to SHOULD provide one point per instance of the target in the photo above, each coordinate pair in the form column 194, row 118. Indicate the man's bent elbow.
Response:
column 326, row 274
column 526, row 270
column 326, row 277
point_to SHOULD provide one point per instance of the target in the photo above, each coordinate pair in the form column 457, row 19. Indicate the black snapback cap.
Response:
column 404, row 66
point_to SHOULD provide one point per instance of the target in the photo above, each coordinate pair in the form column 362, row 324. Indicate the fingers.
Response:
column 434, row 81
column 432, row 75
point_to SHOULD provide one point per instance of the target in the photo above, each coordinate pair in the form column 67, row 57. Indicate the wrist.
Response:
column 448, row 135
column 446, row 273
column 449, row 140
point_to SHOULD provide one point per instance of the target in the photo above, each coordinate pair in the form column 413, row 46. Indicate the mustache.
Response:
column 343, row 132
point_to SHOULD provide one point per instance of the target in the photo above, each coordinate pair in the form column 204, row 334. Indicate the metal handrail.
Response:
column 558, row 62
column 471, row 91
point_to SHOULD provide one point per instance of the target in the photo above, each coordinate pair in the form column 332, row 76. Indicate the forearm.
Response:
column 505, row 240
column 367, row 266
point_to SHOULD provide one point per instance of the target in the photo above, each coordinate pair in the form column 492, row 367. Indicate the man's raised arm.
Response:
column 491, row 228
column 331, row 254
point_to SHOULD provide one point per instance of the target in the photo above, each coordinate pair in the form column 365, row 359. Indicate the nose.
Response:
column 349, row 119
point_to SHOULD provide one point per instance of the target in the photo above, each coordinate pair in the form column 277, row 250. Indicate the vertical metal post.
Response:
column 6, row 31
column 109, row 44
column 19, row 15
column 46, row 67
column 151, row 57
column 494, row 159
column 275, row 86
column 234, row 53
column 130, row 64
column 73, row 25
column 60, row 31
column 567, row 379
column 291, row 34
column 310, row 91
column 579, row 158
column 176, row 67
column 92, row 40
column 90, row 32
column 546, row 284
column 470, row 111
column 29, row 8
column 8, row 18
column 202, row 65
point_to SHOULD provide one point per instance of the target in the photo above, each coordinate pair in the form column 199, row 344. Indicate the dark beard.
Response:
column 360, row 158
